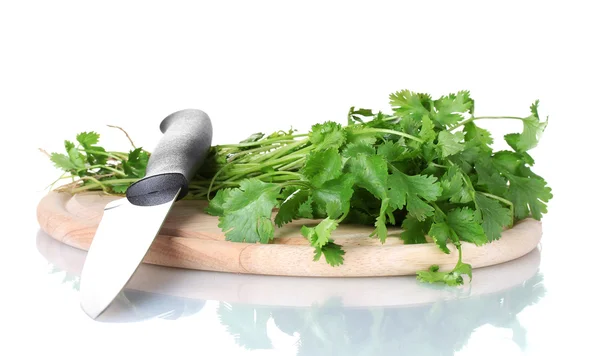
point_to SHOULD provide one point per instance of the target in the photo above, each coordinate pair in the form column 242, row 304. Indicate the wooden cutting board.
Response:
column 191, row 239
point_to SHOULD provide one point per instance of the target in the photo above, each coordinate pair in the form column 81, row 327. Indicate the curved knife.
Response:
column 129, row 225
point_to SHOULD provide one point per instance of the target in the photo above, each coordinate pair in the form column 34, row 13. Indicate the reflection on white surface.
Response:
column 353, row 316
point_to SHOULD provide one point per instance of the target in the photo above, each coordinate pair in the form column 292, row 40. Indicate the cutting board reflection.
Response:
column 191, row 239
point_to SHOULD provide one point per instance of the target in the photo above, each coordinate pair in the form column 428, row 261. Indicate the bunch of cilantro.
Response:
column 425, row 166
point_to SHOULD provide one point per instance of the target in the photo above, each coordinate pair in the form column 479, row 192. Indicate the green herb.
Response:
column 425, row 166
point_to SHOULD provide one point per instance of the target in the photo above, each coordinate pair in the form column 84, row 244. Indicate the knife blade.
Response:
column 129, row 225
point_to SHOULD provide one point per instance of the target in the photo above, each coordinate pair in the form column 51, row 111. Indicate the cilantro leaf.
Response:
column 215, row 206
column 393, row 151
column 63, row 162
column 414, row 230
column 529, row 195
column 333, row 197
column 322, row 166
column 478, row 137
column 450, row 143
column 320, row 238
column 323, row 231
column 305, row 209
column 414, row 192
column 136, row 163
column 427, row 131
column 494, row 216
column 96, row 155
column 441, row 232
column 87, row 139
column 454, row 188
column 458, row 224
column 247, row 212
column 450, row 278
column 327, row 135
column 354, row 115
column 380, row 221
column 409, row 104
column 507, row 161
column 449, row 108
column 334, row 255
column 69, row 145
column 253, row 138
column 76, row 158
column 488, row 177
column 354, row 149
column 370, row 172
column 466, row 225
column 120, row 189
column 289, row 208
column 533, row 129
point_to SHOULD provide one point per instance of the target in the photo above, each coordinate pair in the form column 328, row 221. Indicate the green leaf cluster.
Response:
column 424, row 166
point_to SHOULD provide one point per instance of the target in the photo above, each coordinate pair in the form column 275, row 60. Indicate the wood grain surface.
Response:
column 191, row 239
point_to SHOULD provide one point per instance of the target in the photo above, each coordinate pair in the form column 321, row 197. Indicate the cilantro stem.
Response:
column 392, row 132
column 438, row 165
column 464, row 122
column 294, row 183
column 105, row 167
column 59, row 178
column 104, row 188
column 343, row 216
column 290, row 148
column 282, row 151
column 242, row 154
column 290, row 166
column 104, row 183
column 115, row 155
column 280, row 173
column 391, row 118
column 287, row 138
column 272, row 163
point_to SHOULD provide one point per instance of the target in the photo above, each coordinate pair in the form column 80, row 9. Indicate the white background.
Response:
column 70, row 66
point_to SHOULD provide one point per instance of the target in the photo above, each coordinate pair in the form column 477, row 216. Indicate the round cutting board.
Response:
column 191, row 239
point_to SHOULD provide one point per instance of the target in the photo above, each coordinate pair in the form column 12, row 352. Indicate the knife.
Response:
column 129, row 225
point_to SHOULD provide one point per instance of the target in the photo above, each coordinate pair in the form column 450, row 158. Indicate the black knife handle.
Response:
column 179, row 154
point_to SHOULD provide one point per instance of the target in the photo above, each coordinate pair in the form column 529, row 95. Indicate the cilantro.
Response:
column 454, row 188
column 327, row 135
column 529, row 196
column 451, row 278
column 289, row 208
column 305, row 209
column 215, row 207
column 322, row 166
column 533, row 129
column 320, row 238
column 450, row 108
column 248, row 210
column 425, row 166
column 450, row 143
column 414, row 231
column 393, row 151
column 333, row 197
column 135, row 165
column 494, row 216
column 63, row 162
column 414, row 192
column 409, row 104
column 87, row 139
column 370, row 172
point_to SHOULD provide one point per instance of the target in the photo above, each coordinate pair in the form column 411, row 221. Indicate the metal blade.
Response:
column 122, row 239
